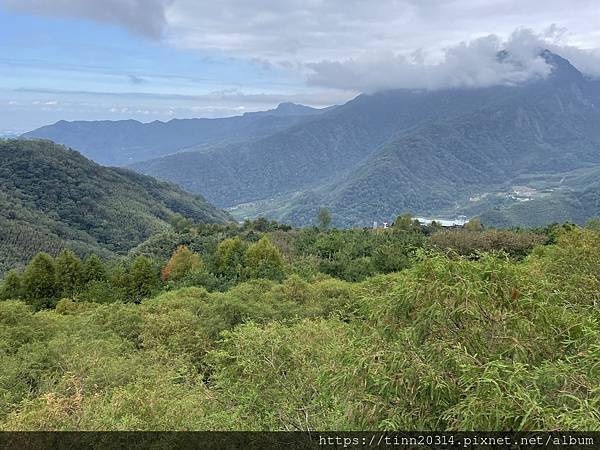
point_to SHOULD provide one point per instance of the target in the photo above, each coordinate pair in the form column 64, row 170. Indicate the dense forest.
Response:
column 262, row 326
column 51, row 197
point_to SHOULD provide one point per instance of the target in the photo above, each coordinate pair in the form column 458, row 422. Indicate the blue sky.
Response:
column 161, row 59
column 64, row 68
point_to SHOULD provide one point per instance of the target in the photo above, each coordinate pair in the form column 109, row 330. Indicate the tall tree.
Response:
column 405, row 222
column 229, row 258
column 69, row 272
column 39, row 281
column 474, row 225
column 143, row 279
column 12, row 286
column 93, row 269
column 183, row 261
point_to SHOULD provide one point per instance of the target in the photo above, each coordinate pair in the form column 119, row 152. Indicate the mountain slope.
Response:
column 126, row 141
column 381, row 154
column 319, row 150
column 51, row 197
column 433, row 167
column 575, row 197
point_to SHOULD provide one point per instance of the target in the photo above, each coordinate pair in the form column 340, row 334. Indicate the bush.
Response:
column 263, row 260
column 468, row 242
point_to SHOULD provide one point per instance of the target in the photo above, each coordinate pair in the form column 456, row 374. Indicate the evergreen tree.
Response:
column 93, row 269
column 39, row 281
column 12, row 286
column 69, row 273
column 264, row 260
column 143, row 279
column 183, row 261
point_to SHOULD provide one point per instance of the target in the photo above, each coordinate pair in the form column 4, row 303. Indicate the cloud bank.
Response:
column 469, row 64
column 358, row 45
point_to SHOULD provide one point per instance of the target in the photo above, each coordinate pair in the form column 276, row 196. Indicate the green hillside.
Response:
column 318, row 151
column 437, row 167
column 52, row 197
column 425, row 152
column 575, row 206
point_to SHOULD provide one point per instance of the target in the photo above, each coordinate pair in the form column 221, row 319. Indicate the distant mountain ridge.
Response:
column 52, row 197
column 438, row 153
column 122, row 142
column 427, row 152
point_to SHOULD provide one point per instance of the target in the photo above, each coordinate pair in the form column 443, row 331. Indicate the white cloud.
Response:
column 291, row 31
column 468, row 64
column 358, row 44
column 300, row 31
column 348, row 46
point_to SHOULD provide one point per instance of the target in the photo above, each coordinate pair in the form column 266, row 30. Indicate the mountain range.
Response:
column 52, row 197
column 122, row 142
column 514, row 155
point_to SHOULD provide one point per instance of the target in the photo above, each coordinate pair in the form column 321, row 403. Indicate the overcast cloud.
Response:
column 365, row 45
column 317, row 52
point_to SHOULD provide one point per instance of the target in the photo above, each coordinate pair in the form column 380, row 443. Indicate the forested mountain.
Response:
column 311, row 153
column 428, row 152
column 52, row 197
column 126, row 141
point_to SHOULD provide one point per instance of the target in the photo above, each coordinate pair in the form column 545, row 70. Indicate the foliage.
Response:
column 69, row 273
column 469, row 242
column 405, row 222
column 324, row 218
column 40, row 286
column 52, row 198
column 474, row 225
column 93, row 269
column 142, row 279
column 12, row 287
column 263, row 260
column 182, row 262
column 229, row 258
column 493, row 343
column 593, row 224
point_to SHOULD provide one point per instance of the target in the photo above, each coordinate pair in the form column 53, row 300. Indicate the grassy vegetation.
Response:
column 455, row 339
